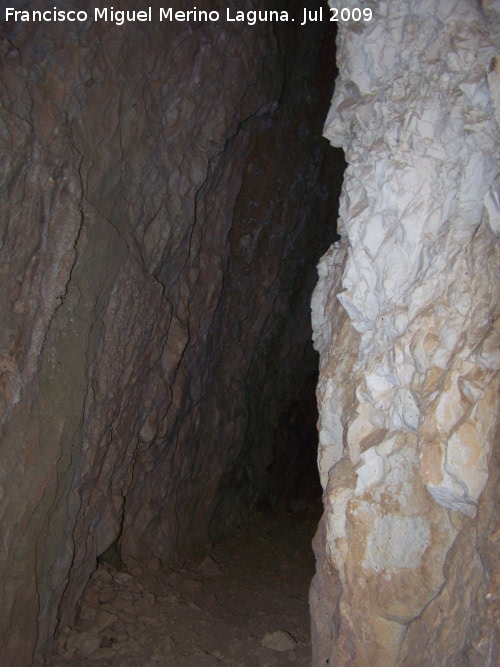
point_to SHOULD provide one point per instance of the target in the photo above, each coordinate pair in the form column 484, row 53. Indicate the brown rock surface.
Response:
column 164, row 198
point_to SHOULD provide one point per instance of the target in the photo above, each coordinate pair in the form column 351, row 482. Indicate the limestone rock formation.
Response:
column 159, row 229
column 409, row 338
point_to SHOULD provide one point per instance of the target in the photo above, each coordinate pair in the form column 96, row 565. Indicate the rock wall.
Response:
column 406, row 320
column 159, row 227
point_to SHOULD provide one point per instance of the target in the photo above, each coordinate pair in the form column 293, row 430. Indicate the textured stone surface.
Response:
column 156, row 246
column 462, row 625
column 409, row 341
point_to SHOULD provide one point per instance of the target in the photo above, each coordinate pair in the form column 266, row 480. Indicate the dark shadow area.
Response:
column 293, row 182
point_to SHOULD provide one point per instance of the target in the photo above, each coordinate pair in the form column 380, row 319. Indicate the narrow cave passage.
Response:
column 165, row 197
column 168, row 195
column 243, row 598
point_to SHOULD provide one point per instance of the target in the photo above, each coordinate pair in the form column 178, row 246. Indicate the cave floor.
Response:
column 243, row 603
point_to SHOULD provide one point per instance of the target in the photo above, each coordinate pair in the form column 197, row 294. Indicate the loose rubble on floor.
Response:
column 242, row 604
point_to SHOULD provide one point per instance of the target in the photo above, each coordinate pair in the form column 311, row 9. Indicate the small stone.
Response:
column 210, row 566
column 103, row 575
column 150, row 597
column 123, row 578
column 278, row 641
column 85, row 643
column 154, row 564
column 105, row 619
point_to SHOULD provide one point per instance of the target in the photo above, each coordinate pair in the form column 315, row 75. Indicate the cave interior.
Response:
column 166, row 197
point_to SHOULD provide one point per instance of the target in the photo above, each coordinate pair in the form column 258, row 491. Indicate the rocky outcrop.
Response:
column 156, row 245
column 406, row 319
